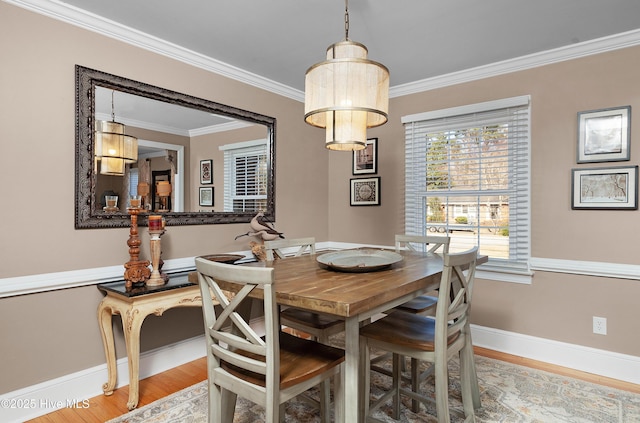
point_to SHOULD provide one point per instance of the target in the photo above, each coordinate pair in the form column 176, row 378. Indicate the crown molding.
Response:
column 92, row 22
column 78, row 17
column 575, row 51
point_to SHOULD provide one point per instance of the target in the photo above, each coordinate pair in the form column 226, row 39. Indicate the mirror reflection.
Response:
column 194, row 161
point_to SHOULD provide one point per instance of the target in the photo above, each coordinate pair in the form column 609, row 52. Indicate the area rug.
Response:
column 509, row 393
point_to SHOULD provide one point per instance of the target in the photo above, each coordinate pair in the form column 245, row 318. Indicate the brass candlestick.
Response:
column 136, row 271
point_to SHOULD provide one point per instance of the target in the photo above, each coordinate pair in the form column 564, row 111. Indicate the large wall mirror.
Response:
column 195, row 161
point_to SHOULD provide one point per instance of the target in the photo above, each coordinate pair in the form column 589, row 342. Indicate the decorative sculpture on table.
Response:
column 156, row 229
column 263, row 229
column 136, row 270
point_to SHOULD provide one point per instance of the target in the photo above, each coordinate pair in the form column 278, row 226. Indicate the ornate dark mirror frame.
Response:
column 86, row 214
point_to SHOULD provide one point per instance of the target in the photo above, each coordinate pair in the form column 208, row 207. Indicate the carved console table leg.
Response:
column 131, row 326
column 106, row 310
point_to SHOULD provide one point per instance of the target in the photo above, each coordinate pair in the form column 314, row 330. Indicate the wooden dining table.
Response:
column 305, row 283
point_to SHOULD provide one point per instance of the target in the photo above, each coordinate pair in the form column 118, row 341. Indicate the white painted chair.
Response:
column 436, row 340
column 429, row 244
column 267, row 370
column 319, row 326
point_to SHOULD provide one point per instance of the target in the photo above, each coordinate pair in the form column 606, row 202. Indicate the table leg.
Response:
column 105, row 319
column 131, row 324
column 352, row 372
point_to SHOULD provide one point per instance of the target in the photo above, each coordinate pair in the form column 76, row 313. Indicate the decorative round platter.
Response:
column 362, row 260
column 223, row 258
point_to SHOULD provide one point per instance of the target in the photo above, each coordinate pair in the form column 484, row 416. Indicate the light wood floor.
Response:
column 103, row 408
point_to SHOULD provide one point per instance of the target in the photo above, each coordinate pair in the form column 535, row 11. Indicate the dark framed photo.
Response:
column 365, row 191
column 605, row 188
column 604, row 135
column 366, row 160
column 206, row 172
column 206, row 196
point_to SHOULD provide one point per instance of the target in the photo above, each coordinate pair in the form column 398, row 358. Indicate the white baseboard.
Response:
column 72, row 389
column 591, row 360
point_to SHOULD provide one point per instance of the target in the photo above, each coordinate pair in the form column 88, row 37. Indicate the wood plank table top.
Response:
column 304, row 283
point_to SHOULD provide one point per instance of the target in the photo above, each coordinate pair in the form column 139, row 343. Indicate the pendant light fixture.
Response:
column 113, row 148
column 346, row 94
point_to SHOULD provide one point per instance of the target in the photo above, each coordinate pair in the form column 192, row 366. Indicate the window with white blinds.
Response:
column 245, row 176
column 467, row 175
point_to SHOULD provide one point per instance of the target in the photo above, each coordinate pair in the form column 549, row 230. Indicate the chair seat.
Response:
column 300, row 360
column 418, row 305
column 303, row 318
column 405, row 329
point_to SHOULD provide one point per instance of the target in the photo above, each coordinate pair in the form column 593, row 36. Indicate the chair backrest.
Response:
column 429, row 243
column 274, row 248
column 454, row 297
column 231, row 342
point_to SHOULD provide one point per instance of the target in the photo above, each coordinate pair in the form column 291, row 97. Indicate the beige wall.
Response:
column 556, row 306
column 52, row 334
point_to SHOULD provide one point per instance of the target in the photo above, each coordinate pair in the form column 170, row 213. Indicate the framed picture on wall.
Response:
column 366, row 160
column 605, row 188
column 206, row 172
column 604, row 135
column 206, row 196
column 365, row 191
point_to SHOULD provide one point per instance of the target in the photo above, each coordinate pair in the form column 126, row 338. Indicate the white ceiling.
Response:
column 271, row 43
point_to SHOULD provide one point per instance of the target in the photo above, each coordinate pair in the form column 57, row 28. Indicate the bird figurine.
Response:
column 261, row 228
column 265, row 235
column 259, row 223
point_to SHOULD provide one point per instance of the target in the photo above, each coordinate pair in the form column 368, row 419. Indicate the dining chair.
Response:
column 433, row 339
column 431, row 244
column 319, row 326
column 267, row 370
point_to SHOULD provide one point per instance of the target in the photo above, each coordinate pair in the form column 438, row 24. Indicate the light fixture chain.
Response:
column 113, row 109
column 346, row 19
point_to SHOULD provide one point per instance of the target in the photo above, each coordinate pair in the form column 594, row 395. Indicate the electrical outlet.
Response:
column 600, row 325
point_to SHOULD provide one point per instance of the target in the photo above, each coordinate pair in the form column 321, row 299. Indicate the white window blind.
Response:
column 467, row 175
column 245, row 179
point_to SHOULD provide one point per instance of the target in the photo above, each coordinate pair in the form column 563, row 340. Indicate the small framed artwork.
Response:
column 206, row 172
column 613, row 188
column 604, row 135
column 365, row 191
column 366, row 160
column 206, row 196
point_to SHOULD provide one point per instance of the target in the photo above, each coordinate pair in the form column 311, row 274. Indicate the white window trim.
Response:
column 491, row 271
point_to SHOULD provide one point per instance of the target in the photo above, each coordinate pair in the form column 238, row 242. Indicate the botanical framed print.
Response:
column 605, row 188
column 206, row 196
column 206, row 172
column 365, row 191
column 366, row 160
column 604, row 135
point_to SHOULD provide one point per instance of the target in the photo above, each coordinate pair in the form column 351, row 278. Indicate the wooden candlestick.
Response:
column 156, row 278
column 136, row 271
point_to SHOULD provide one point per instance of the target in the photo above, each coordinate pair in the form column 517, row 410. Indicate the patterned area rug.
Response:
column 509, row 393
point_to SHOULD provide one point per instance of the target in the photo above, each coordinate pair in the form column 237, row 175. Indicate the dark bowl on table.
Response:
column 223, row 258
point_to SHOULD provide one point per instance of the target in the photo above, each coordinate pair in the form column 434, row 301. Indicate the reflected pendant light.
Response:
column 113, row 148
column 346, row 94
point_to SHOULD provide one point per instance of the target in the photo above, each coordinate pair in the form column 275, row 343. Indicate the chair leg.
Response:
column 325, row 389
column 467, row 369
column 325, row 401
column 395, row 386
column 442, row 390
column 227, row 405
column 415, row 384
